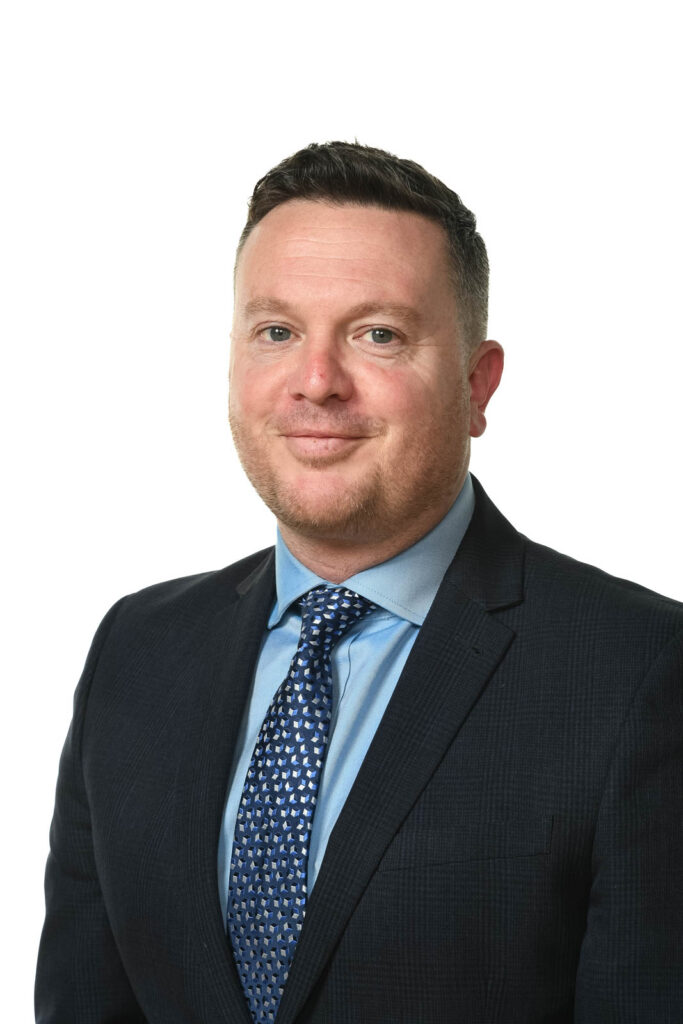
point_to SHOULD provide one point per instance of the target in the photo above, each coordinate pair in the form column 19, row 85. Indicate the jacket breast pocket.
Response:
column 468, row 841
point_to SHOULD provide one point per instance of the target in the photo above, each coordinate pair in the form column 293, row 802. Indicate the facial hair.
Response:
column 384, row 499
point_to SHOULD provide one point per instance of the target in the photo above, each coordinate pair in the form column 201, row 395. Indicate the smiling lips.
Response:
column 309, row 443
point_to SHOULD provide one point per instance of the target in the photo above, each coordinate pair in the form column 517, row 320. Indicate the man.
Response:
column 435, row 766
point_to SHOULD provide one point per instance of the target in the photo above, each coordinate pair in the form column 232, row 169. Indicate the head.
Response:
column 357, row 372
column 347, row 172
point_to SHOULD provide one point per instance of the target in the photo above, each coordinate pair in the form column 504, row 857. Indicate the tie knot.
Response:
column 327, row 613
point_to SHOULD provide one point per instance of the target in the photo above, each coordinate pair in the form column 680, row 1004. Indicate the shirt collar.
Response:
column 405, row 585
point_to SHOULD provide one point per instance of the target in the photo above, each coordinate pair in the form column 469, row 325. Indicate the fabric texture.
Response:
column 511, row 851
column 268, row 889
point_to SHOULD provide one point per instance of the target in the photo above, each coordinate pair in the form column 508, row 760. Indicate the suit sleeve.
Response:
column 80, row 977
column 631, row 962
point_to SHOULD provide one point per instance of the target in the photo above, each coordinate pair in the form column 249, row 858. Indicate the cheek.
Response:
column 251, row 391
column 403, row 397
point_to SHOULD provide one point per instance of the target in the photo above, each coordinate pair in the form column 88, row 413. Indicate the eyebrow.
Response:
column 408, row 315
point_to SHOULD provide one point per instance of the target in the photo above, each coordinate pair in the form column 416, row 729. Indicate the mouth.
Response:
column 311, row 443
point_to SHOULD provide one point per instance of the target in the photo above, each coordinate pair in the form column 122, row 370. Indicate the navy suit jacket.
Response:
column 511, row 850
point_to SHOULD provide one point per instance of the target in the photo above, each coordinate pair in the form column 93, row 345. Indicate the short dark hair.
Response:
column 347, row 172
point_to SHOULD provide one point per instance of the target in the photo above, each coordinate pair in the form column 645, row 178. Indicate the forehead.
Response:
column 344, row 248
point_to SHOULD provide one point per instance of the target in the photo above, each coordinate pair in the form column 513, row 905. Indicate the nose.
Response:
column 319, row 371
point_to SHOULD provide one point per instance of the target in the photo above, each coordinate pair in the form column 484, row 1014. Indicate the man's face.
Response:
column 349, row 391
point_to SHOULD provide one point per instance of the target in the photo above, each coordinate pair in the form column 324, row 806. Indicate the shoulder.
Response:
column 585, row 591
column 151, row 632
column 196, row 599
column 588, row 632
column 555, row 592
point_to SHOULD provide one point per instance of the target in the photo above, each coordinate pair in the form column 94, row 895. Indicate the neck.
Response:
column 337, row 562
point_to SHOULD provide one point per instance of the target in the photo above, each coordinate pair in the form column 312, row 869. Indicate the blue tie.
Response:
column 268, row 871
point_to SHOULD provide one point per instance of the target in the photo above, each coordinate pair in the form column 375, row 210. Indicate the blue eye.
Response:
column 278, row 333
column 381, row 335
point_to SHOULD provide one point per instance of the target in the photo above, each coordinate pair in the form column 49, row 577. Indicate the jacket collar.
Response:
column 489, row 566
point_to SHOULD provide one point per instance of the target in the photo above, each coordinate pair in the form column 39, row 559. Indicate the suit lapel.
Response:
column 456, row 652
column 229, row 671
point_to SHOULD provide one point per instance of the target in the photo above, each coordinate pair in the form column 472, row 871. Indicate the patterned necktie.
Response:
column 268, row 871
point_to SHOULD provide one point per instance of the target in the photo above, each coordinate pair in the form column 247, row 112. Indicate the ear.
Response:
column 485, row 371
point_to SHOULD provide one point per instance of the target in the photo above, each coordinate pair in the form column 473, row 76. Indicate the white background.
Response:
column 133, row 133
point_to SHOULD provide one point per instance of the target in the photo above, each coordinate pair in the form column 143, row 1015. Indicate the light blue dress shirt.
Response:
column 366, row 665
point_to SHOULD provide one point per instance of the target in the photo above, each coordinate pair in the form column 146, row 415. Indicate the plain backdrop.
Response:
column 132, row 136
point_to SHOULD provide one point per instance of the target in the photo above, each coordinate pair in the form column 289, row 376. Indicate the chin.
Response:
column 326, row 519
column 328, row 509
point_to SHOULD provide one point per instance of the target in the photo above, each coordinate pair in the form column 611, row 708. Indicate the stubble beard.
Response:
column 345, row 516
column 385, row 501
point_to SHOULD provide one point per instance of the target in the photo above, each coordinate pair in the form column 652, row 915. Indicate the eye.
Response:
column 276, row 333
column 380, row 335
